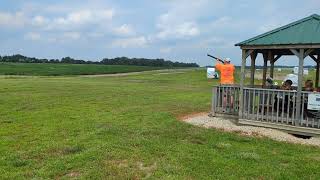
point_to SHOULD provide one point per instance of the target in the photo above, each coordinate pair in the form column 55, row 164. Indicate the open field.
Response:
column 48, row 69
column 280, row 75
column 128, row 127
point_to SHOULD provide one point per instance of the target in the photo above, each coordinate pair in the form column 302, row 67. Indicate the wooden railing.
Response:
column 265, row 106
column 225, row 99
column 278, row 106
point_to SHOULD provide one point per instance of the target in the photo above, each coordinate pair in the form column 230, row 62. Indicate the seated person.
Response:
column 287, row 85
column 308, row 86
column 270, row 84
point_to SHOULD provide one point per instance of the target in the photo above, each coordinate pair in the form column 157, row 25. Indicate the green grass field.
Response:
column 127, row 128
column 67, row 69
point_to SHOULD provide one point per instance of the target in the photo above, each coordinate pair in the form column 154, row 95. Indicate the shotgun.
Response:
column 218, row 59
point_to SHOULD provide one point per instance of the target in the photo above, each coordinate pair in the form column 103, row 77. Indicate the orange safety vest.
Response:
column 226, row 73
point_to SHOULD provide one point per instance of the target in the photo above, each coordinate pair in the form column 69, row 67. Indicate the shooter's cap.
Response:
column 228, row 60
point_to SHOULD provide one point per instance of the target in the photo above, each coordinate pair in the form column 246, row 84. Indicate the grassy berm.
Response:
column 128, row 128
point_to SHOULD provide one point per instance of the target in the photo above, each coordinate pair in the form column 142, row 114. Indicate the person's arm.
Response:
column 218, row 65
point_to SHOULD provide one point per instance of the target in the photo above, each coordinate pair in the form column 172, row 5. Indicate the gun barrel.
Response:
column 218, row 59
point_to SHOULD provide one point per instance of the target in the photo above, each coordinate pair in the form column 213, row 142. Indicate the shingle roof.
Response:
column 304, row 31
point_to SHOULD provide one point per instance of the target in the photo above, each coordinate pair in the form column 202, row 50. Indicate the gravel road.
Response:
column 204, row 120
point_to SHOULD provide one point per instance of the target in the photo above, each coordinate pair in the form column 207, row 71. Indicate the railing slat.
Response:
column 268, row 108
column 249, row 104
column 294, row 110
column 282, row 108
column 263, row 104
column 288, row 110
column 278, row 104
column 253, row 102
column 302, row 111
column 258, row 107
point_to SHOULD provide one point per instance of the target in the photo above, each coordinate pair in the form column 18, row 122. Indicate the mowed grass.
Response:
column 48, row 69
column 127, row 128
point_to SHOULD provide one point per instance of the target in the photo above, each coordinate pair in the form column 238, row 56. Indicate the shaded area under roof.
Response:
column 304, row 31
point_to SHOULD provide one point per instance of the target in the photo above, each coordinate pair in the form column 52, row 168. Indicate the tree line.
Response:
column 106, row 61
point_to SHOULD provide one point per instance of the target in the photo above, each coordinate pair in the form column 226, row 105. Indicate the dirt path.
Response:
column 154, row 72
column 204, row 120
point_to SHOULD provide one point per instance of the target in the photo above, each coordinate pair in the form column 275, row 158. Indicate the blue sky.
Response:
column 179, row 30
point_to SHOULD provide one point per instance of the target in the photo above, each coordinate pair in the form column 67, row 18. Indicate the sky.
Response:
column 177, row 30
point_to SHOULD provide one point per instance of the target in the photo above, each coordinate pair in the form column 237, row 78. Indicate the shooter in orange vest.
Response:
column 226, row 71
column 226, row 78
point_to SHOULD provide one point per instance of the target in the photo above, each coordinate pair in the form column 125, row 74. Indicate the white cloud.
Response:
column 165, row 50
column 32, row 36
column 53, row 37
column 124, row 30
column 71, row 35
column 214, row 43
column 133, row 42
column 184, row 30
column 12, row 19
column 182, row 19
column 96, row 34
column 80, row 18
column 39, row 21
column 222, row 22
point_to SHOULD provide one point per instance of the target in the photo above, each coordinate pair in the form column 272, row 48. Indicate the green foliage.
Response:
column 146, row 62
column 126, row 128
column 115, row 61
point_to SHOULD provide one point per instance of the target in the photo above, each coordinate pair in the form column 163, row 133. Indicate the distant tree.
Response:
column 18, row 58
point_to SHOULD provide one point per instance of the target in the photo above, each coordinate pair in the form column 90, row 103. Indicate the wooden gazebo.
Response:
column 274, row 108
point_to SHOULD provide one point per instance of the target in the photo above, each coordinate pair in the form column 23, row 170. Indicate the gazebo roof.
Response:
column 304, row 31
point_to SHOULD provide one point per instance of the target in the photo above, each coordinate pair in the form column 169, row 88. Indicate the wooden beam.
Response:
column 265, row 68
column 249, row 52
column 299, row 90
column 314, row 58
column 309, row 51
column 253, row 67
column 277, row 57
column 242, row 79
column 295, row 52
column 306, row 46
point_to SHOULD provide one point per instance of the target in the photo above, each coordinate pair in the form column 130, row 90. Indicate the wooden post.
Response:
column 265, row 68
column 300, row 84
column 317, row 60
column 242, row 79
column 317, row 72
column 271, row 59
column 271, row 68
column 253, row 67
